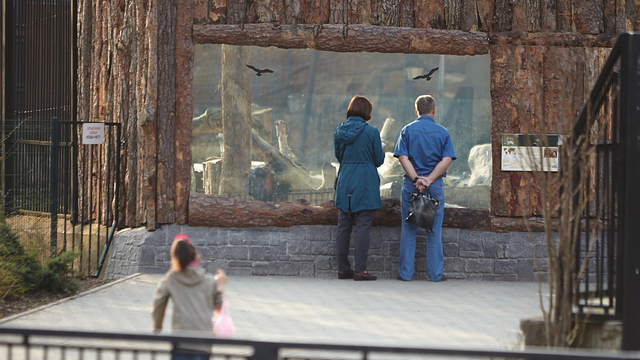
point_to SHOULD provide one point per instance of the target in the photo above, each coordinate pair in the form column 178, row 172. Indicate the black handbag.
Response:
column 422, row 210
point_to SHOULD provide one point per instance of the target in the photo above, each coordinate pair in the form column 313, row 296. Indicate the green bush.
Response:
column 21, row 272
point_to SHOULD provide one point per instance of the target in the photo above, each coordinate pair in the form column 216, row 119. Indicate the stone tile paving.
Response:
column 452, row 314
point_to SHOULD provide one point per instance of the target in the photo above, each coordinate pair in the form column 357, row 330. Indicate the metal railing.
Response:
column 84, row 193
column 605, row 177
column 34, row 344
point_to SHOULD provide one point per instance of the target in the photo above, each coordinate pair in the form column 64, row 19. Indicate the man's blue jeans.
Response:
column 435, row 257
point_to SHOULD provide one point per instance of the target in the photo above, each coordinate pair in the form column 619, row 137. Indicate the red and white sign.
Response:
column 92, row 133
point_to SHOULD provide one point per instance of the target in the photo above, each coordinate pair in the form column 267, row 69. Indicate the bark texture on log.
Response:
column 548, row 16
column 166, row 111
column 452, row 14
column 429, row 14
column 527, row 15
column 486, row 12
column 559, row 40
column 236, row 11
column 148, row 119
column 236, row 120
column 406, row 13
column 563, row 16
column 609, row 10
column 504, row 107
column 342, row 38
column 588, row 17
column 316, row 11
column 469, row 13
column 184, row 108
column 214, row 210
column 503, row 19
column 533, row 223
column 386, row 12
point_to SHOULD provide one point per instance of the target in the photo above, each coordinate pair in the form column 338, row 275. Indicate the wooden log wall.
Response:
column 135, row 62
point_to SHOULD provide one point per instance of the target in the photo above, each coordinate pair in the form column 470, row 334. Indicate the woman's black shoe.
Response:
column 363, row 276
column 347, row 274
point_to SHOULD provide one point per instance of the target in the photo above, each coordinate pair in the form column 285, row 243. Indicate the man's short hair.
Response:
column 425, row 104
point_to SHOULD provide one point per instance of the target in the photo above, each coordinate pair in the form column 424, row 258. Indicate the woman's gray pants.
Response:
column 361, row 236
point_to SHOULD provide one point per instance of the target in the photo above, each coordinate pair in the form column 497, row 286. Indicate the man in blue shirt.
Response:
column 425, row 152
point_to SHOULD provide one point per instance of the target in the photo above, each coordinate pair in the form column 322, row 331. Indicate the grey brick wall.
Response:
column 309, row 251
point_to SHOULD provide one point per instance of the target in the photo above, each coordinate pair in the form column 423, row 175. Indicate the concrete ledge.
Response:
column 596, row 335
column 309, row 251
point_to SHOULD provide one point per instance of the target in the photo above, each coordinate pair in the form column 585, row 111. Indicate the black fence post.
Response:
column 630, row 204
column 55, row 144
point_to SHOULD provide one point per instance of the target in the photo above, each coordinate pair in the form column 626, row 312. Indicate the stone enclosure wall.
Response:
column 309, row 251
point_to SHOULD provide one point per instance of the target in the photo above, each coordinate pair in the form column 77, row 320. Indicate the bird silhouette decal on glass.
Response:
column 427, row 76
column 259, row 72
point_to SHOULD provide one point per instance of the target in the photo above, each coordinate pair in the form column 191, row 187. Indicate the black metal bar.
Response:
column 74, row 178
column 55, row 138
column 564, row 354
column 630, row 113
column 116, row 201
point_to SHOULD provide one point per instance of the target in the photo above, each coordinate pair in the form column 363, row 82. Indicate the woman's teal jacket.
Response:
column 358, row 148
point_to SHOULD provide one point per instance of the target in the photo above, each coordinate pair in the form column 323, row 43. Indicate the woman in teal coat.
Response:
column 360, row 151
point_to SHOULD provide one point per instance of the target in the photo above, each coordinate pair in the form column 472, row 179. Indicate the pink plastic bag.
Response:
column 222, row 323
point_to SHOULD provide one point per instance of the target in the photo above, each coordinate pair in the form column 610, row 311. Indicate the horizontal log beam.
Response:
column 221, row 211
column 346, row 38
column 552, row 39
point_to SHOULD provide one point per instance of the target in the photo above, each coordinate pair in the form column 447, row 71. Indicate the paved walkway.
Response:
column 455, row 313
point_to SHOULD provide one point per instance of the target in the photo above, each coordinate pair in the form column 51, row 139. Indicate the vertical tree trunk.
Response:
column 406, row 13
column 236, row 11
column 236, row 120
column 486, row 12
column 469, row 15
column 316, row 11
column 503, row 18
column 166, row 110
column 337, row 11
column 564, row 21
column 387, row 12
column 609, row 10
column 148, row 119
column 429, row 14
column 527, row 15
column 452, row 14
column 184, row 108
column 548, row 14
column 588, row 17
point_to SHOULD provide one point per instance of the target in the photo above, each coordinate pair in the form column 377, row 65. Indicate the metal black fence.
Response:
column 84, row 192
column 16, row 343
column 38, row 66
column 605, row 176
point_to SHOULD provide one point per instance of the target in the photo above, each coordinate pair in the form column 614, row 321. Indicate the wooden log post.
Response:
column 236, row 120
column 328, row 177
column 185, row 53
column 283, row 143
column 343, row 38
column 387, row 132
column 166, row 112
column 288, row 172
column 211, row 176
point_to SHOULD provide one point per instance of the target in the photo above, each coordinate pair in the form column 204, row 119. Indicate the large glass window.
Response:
column 269, row 135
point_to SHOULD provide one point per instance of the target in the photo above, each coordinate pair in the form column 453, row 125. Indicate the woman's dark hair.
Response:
column 360, row 106
column 182, row 253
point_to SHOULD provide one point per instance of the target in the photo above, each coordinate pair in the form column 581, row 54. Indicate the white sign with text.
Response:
column 92, row 133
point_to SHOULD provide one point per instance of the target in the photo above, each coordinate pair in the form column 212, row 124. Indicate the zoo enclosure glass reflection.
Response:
column 269, row 135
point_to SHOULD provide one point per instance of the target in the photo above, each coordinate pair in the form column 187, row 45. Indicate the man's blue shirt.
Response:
column 425, row 143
